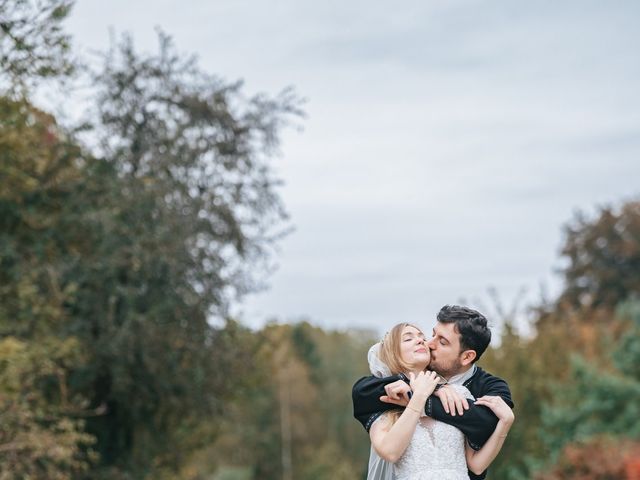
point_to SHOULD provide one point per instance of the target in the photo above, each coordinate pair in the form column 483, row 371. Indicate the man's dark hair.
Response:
column 470, row 324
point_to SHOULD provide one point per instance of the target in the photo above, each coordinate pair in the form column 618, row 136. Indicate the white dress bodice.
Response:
column 436, row 452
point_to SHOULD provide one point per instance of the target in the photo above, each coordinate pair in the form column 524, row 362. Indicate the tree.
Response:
column 604, row 258
column 201, row 151
column 336, row 359
column 42, row 433
column 599, row 399
column 130, row 251
column 176, row 217
column 41, row 436
column 600, row 458
column 33, row 45
column 291, row 407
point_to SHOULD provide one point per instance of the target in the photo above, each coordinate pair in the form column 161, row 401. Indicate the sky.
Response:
column 445, row 143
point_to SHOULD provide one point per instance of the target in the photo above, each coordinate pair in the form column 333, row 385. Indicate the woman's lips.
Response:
column 421, row 350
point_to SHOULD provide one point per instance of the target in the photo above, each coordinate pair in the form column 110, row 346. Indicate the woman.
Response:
column 419, row 447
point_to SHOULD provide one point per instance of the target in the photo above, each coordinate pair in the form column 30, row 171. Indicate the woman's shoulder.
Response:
column 383, row 422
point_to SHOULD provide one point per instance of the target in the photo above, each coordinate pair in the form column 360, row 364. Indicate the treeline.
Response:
column 125, row 239
column 121, row 238
column 576, row 382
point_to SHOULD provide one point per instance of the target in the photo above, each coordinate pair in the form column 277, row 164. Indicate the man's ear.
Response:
column 467, row 357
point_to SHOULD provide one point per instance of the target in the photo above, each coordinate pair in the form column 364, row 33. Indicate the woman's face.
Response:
column 413, row 348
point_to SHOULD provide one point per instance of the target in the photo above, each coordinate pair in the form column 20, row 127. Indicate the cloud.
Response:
column 446, row 144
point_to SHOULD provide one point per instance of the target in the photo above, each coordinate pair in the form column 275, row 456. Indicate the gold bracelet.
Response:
column 411, row 408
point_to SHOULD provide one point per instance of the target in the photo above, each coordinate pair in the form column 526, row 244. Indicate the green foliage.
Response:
column 291, row 405
column 598, row 399
column 116, row 253
column 575, row 378
column 626, row 356
column 185, row 212
column 40, row 437
column 131, row 254
column 604, row 258
column 527, row 365
column 33, row 45
column 595, row 402
column 42, row 433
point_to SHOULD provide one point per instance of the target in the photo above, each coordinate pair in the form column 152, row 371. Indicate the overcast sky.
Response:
column 446, row 142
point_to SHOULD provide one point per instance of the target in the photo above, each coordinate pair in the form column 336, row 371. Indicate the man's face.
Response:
column 445, row 350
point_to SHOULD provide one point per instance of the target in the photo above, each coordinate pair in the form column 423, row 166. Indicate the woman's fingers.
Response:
column 425, row 381
column 488, row 398
column 498, row 406
column 487, row 401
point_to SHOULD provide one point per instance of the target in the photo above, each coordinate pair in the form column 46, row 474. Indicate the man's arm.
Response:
column 366, row 394
column 479, row 422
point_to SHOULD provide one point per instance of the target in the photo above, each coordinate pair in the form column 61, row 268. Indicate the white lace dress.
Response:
column 436, row 452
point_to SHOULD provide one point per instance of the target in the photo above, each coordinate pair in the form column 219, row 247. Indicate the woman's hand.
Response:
column 423, row 383
column 479, row 461
column 499, row 407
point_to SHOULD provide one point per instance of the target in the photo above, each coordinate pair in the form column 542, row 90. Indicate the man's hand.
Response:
column 397, row 393
column 451, row 400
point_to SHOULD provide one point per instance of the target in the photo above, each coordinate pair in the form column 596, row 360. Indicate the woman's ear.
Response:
column 467, row 357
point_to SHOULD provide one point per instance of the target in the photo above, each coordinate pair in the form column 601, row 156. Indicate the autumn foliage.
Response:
column 601, row 458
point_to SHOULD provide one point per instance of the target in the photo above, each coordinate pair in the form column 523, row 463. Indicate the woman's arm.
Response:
column 479, row 461
column 390, row 441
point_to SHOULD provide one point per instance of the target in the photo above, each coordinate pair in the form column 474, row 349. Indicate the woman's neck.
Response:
column 416, row 370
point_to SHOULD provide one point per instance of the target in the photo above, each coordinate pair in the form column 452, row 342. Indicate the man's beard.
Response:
column 446, row 370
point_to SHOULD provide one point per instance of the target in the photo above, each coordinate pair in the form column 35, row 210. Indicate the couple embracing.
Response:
column 430, row 411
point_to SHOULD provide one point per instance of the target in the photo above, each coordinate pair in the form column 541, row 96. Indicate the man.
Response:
column 460, row 337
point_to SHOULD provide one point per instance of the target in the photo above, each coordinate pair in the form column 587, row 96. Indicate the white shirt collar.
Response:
column 462, row 377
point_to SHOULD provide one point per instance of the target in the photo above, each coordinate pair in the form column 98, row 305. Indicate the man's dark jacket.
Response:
column 477, row 423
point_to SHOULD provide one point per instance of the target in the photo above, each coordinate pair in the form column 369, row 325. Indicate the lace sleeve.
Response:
column 463, row 391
